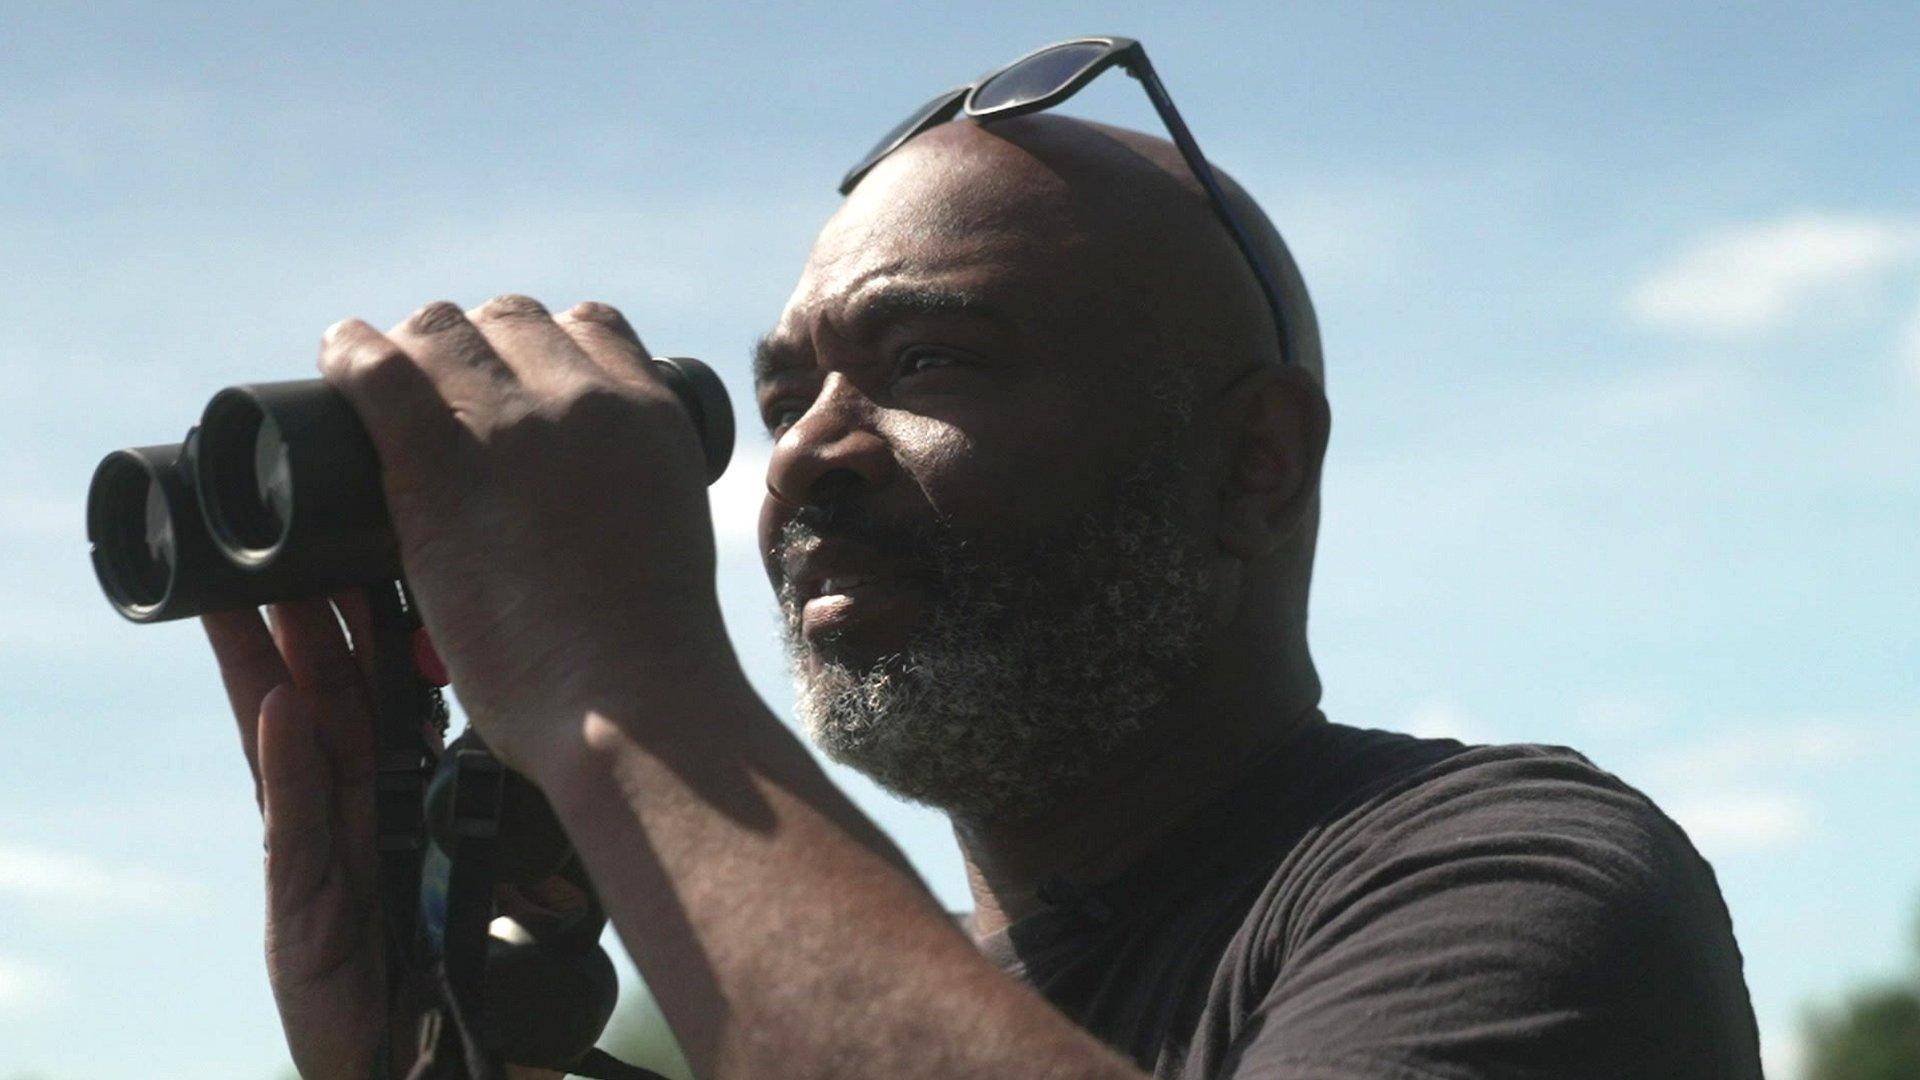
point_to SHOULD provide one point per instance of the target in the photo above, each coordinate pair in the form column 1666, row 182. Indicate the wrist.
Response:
column 688, row 707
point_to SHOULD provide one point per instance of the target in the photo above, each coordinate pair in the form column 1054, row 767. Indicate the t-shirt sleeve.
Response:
column 1521, row 914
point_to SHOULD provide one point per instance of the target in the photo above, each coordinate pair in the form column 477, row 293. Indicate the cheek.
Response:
column 943, row 459
column 997, row 473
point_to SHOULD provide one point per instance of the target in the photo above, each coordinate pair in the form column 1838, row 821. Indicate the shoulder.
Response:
column 1522, row 814
column 1522, row 798
column 1516, row 897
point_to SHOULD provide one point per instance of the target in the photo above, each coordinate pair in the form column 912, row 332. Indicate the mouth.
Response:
column 840, row 585
column 860, row 609
column 852, row 602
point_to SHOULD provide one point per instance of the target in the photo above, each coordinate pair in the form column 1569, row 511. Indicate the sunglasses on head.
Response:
column 1045, row 78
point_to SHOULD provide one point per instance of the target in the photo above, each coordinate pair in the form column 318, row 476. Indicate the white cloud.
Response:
column 1349, row 229
column 73, row 880
column 735, row 497
column 1742, row 755
column 1443, row 720
column 1743, row 822
column 1782, row 1057
column 1759, row 276
column 1735, row 792
column 1622, row 713
column 24, row 984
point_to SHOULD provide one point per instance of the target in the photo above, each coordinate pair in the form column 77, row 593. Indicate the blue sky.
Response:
column 1622, row 315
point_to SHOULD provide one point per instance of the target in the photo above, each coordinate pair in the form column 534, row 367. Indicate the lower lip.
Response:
column 873, row 606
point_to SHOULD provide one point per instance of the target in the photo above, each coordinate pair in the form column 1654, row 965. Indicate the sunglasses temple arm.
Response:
column 1141, row 68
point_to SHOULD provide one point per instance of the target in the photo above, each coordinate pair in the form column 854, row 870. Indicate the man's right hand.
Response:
column 300, row 697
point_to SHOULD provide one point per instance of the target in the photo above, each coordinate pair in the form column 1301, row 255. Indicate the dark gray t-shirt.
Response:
column 1371, row 905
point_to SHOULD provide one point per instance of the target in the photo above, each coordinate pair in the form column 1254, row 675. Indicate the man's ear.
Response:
column 1274, row 423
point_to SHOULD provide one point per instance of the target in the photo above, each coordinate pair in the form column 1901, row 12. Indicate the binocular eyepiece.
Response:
column 276, row 495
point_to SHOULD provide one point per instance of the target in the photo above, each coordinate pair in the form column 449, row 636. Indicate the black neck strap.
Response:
column 406, row 707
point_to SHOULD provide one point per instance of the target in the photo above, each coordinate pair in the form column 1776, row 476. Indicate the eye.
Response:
column 927, row 358
column 782, row 415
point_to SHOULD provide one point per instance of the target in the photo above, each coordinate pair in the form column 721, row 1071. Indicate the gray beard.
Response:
column 1039, row 664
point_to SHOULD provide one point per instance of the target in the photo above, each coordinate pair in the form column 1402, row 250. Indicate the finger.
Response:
column 314, row 646
column 346, row 735
column 250, row 667
column 324, row 669
column 455, row 355
column 410, row 420
column 526, row 338
column 298, row 785
column 322, row 858
column 600, row 331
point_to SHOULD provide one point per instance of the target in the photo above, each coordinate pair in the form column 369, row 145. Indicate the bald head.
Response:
column 1115, row 229
column 1130, row 206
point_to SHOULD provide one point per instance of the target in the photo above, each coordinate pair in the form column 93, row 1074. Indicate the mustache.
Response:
column 915, row 547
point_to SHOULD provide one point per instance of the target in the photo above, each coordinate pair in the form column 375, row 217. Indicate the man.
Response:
column 1041, row 517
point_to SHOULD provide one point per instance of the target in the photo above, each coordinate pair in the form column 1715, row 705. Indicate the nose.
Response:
column 833, row 450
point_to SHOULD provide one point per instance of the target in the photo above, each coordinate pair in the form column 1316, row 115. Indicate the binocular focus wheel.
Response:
column 705, row 399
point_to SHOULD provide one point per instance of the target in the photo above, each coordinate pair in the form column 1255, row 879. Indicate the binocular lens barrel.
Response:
column 290, row 487
column 250, row 493
column 131, row 525
column 151, row 550
column 705, row 398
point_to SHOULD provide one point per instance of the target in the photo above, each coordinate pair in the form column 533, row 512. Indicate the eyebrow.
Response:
column 873, row 311
column 772, row 356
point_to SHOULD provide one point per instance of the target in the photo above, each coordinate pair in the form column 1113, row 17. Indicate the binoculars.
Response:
column 275, row 495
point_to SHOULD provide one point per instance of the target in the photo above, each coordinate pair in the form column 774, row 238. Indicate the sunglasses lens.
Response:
column 947, row 101
column 1039, row 75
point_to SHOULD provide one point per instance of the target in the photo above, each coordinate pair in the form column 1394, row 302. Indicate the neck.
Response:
column 1240, row 707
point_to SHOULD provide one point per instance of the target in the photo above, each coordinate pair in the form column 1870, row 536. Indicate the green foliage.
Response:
column 1875, row 1036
